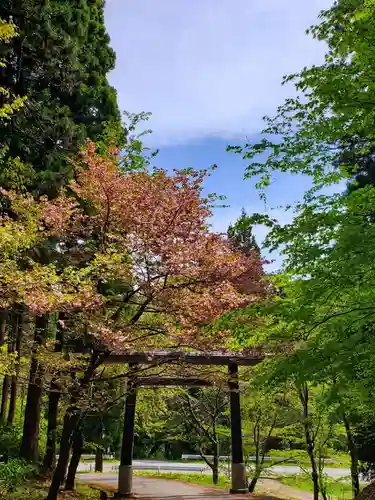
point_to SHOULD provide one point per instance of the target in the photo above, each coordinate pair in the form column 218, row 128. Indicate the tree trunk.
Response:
column 74, row 462
column 258, row 461
column 99, row 459
column 7, row 378
column 304, row 398
column 30, row 437
column 215, row 472
column 215, row 468
column 71, row 420
column 49, row 462
column 13, row 399
column 254, row 480
column 3, row 324
column 18, row 334
column 256, row 437
column 70, row 423
column 99, row 449
column 4, row 398
column 260, row 452
column 353, row 457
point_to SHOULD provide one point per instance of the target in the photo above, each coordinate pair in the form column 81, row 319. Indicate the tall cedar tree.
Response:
column 60, row 61
column 241, row 234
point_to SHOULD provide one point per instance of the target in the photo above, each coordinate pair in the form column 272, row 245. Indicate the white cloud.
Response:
column 208, row 67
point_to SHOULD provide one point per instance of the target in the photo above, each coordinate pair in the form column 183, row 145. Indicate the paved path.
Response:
column 157, row 489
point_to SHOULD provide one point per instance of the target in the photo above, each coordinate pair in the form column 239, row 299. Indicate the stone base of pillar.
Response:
column 125, row 481
column 238, row 479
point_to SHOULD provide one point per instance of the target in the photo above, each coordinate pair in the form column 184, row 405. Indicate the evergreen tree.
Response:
column 241, row 234
column 59, row 61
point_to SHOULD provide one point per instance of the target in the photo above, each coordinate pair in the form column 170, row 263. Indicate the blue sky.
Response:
column 208, row 70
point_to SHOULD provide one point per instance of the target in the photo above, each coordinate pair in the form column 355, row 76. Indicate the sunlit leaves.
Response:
column 334, row 104
column 10, row 104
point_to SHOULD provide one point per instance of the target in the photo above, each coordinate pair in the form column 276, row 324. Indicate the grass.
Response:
column 203, row 479
column 300, row 457
column 335, row 489
column 83, row 492
column 37, row 490
column 305, row 464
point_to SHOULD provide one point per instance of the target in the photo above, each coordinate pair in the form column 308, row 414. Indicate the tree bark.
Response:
column 19, row 321
column 304, row 398
column 254, row 480
column 70, row 423
column 4, row 398
column 353, row 457
column 7, row 378
column 49, row 462
column 74, row 462
column 3, row 324
column 99, row 449
column 215, row 471
column 30, row 437
column 256, row 437
column 215, row 468
column 99, row 459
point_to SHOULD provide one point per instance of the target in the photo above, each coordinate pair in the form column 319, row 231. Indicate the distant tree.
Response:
column 203, row 412
column 241, row 234
column 267, row 414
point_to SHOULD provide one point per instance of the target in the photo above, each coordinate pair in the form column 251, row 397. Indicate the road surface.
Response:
column 186, row 468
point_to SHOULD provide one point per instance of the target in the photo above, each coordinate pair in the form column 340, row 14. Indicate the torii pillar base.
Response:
column 238, row 479
column 125, row 482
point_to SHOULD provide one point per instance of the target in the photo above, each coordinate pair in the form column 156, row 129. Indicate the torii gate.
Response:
column 232, row 361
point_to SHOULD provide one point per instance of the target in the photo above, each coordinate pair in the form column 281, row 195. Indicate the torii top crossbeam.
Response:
column 154, row 358
column 196, row 358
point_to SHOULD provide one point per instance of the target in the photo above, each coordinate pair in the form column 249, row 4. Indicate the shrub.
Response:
column 14, row 472
column 9, row 442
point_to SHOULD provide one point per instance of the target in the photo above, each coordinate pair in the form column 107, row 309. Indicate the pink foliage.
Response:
column 149, row 230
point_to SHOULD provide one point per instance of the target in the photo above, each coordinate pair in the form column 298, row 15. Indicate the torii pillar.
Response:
column 125, row 477
column 238, row 466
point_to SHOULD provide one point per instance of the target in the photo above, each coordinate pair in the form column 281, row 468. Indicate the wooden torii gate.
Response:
column 232, row 361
